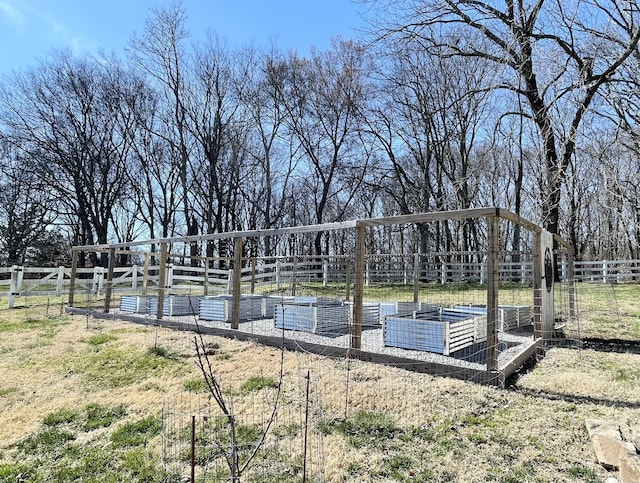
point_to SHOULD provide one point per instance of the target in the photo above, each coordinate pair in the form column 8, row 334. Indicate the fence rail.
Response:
column 19, row 281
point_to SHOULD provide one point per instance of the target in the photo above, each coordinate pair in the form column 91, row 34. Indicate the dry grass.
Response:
column 379, row 423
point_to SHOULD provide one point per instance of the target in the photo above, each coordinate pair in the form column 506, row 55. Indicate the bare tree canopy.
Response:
column 556, row 55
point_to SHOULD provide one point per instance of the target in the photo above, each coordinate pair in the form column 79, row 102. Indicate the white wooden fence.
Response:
column 18, row 281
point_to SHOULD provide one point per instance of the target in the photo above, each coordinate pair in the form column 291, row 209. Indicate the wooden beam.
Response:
column 237, row 279
column 72, row 281
column 492, row 293
column 358, row 288
column 109, row 290
column 162, row 281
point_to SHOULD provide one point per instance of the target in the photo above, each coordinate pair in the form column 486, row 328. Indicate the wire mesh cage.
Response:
column 381, row 289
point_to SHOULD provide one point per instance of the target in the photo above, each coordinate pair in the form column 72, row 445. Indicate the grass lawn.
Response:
column 82, row 400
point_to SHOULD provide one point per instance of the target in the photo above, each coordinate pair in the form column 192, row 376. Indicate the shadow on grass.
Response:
column 575, row 399
column 612, row 345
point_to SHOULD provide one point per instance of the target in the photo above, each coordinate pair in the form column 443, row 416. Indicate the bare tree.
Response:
column 160, row 52
column 26, row 209
column 426, row 120
column 323, row 97
column 557, row 55
column 64, row 115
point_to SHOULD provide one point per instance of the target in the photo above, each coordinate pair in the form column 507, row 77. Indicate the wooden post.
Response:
column 237, row 279
column 572, row 284
column 162, row 280
column 543, row 319
column 492, row 294
column 145, row 273
column 206, row 275
column 109, row 290
column 72, row 281
column 253, row 274
column 358, row 288
column 416, row 277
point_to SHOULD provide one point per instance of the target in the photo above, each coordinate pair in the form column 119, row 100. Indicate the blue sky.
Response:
column 30, row 29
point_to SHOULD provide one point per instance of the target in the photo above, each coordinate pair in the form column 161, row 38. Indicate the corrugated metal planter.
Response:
column 135, row 303
column 323, row 316
column 440, row 331
column 175, row 305
column 220, row 307
column 509, row 317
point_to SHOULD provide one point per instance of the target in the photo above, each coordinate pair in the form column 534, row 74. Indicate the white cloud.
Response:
column 11, row 13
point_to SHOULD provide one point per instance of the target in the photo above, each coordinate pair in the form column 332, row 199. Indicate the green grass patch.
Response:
column 15, row 472
column 49, row 438
column 13, row 325
column 195, row 385
column 100, row 339
column 7, row 390
column 99, row 416
column 112, row 367
column 366, row 428
column 62, row 416
column 255, row 383
column 587, row 475
column 620, row 372
column 92, row 416
column 136, row 433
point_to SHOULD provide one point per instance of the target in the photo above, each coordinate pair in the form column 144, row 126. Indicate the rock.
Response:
column 611, row 479
column 630, row 468
column 608, row 443
column 631, row 434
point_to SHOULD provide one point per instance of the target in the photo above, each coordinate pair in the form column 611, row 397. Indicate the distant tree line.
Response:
column 443, row 105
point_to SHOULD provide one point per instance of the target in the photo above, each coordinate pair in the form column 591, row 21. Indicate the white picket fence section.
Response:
column 18, row 281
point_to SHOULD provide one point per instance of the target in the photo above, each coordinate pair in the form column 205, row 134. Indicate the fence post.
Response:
column 170, row 276
column 98, row 279
column 492, row 293
column 278, row 268
column 162, row 280
column 325, row 272
column 134, row 278
column 109, row 290
column 604, row 271
column 368, row 274
column 60, row 280
column 72, row 276
column 15, row 284
column 237, row 280
column 358, row 288
column 145, row 273
column 416, row 277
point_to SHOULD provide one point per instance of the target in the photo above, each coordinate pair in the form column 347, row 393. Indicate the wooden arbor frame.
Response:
column 544, row 242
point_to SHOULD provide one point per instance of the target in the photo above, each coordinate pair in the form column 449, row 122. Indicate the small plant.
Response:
column 161, row 352
column 255, row 383
column 136, row 433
